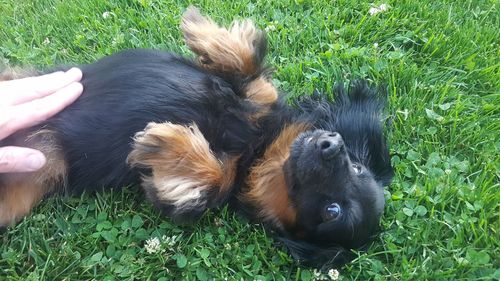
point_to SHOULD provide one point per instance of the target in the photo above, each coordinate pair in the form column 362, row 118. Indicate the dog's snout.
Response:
column 330, row 144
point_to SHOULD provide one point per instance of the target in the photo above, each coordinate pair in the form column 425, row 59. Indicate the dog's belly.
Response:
column 122, row 94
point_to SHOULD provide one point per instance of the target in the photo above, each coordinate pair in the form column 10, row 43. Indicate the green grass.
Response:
column 440, row 60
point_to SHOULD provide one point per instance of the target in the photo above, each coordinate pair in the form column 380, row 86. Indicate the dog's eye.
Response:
column 357, row 168
column 332, row 212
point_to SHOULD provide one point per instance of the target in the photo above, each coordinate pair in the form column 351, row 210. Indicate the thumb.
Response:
column 20, row 159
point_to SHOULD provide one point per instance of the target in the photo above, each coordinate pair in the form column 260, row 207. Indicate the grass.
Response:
column 440, row 60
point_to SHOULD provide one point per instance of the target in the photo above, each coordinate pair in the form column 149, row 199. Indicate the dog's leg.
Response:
column 186, row 177
column 20, row 192
column 239, row 51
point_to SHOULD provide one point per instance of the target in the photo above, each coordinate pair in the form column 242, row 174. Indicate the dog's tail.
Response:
column 236, row 52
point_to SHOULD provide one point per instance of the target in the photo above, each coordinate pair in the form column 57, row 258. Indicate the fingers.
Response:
column 19, row 159
column 14, row 118
column 19, row 91
column 27, row 102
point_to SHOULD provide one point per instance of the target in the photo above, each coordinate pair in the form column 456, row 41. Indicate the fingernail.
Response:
column 35, row 161
column 75, row 72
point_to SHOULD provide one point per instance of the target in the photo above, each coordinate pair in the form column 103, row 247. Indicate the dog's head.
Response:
column 333, row 176
column 337, row 199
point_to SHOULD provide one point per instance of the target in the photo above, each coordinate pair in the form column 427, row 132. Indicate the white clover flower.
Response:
column 333, row 274
column 107, row 14
column 218, row 222
column 152, row 245
column 169, row 240
column 46, row 41
column 317, row 275
column 375, row 10
column 271, row 26
column 375, row 45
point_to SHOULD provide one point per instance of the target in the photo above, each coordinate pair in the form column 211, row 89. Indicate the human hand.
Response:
column 29, row 101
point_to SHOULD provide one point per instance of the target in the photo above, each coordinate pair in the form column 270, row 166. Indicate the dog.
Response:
column 198, row 134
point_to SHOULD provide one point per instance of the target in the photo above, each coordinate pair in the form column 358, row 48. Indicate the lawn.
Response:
column 440, row 63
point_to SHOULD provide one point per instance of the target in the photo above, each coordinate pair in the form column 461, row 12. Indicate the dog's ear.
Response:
column 318, row 257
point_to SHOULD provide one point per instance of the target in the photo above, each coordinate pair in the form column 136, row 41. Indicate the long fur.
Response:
column 198, row 134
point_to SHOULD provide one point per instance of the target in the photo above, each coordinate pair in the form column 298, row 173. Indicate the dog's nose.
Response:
column 330, row 144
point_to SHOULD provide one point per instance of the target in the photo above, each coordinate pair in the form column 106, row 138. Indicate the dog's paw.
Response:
column 240, row 48
column 184, row 171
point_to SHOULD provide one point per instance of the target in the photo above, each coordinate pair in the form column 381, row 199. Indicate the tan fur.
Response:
column 17, row 73
column 261, row 91
column 266, row 183
column 230, row 168
column 20, row 192
column 230, row 50
column 219, row 48
column 183, row 166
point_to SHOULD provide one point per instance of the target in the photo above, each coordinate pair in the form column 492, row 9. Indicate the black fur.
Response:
column 126, row 91
column 316, row 182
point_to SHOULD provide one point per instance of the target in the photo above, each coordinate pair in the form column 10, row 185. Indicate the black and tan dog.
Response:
column 197, row 135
